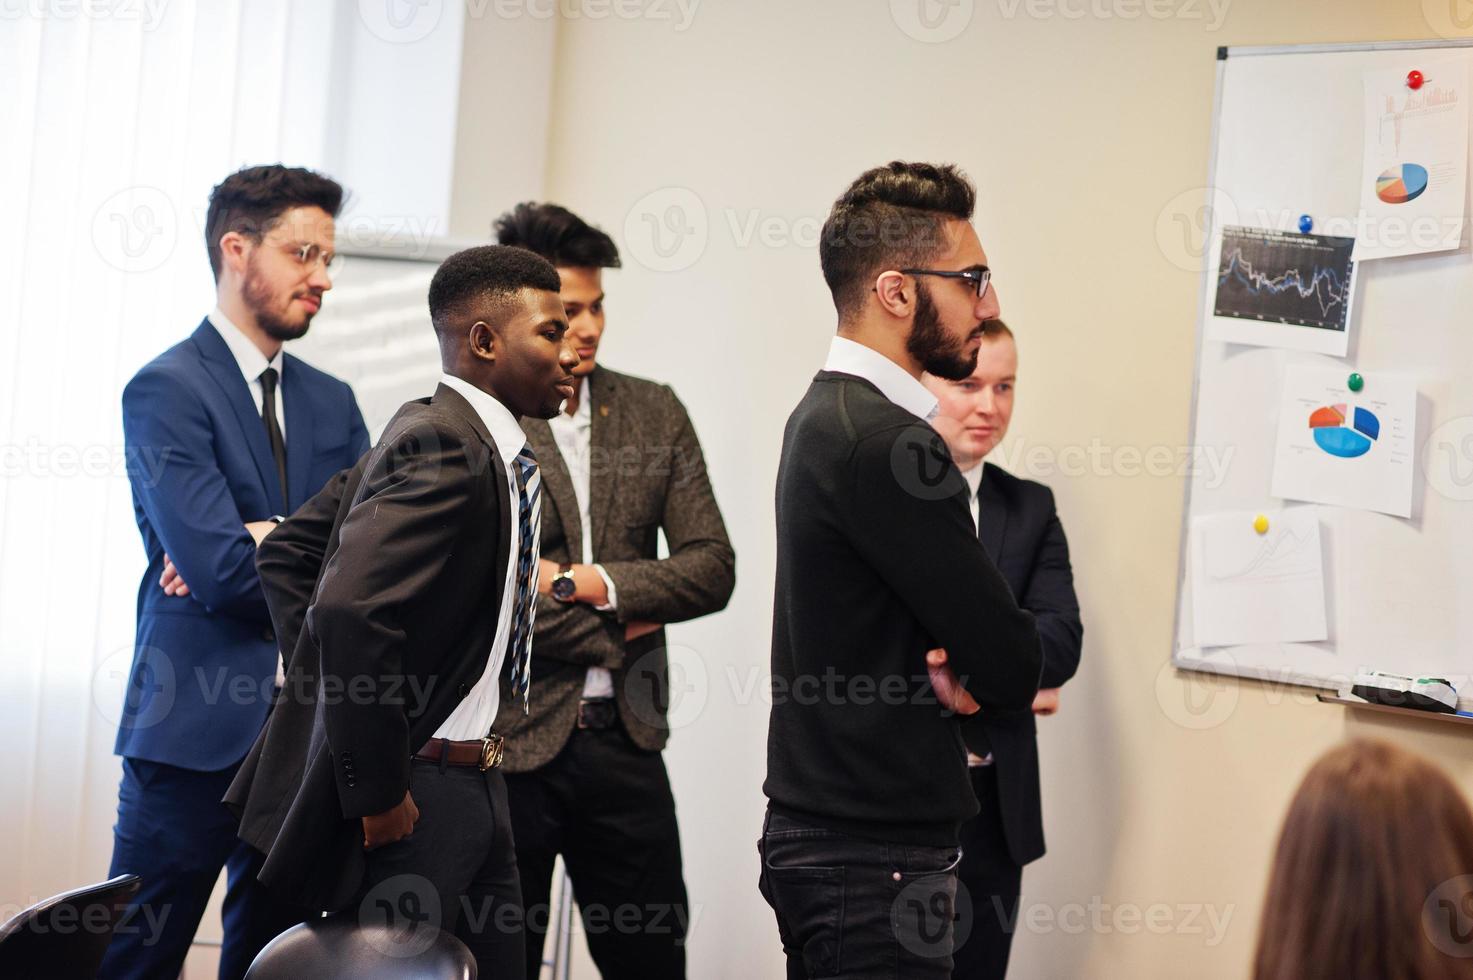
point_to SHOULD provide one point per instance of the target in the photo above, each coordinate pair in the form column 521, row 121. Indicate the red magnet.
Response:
column 1414, row 79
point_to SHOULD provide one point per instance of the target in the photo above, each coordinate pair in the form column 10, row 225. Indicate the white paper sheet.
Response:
column 1352, row 449
column 1414, row 170
column 1258, row 588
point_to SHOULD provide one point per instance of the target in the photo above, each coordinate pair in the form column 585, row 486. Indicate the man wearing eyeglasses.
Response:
column 224, row 432
column 878, row 563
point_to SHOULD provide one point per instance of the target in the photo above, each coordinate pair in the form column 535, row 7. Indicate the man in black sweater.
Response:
column 878, row 563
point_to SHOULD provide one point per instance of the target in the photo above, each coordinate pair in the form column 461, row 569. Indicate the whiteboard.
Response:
column 374, row 329
column 1287, row 140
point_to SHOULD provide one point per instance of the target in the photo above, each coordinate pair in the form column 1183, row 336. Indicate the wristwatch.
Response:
column 563, row 586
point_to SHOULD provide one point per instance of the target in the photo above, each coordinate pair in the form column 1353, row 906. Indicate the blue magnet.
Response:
column 1305, row 224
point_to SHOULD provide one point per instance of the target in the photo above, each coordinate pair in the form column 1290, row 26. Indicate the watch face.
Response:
column 563, row 588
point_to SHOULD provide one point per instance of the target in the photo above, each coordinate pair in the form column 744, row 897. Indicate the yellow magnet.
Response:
column 1260, row 524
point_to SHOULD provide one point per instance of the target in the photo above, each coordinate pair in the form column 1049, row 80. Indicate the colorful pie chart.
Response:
column 1344, row 433
column 1402, row 184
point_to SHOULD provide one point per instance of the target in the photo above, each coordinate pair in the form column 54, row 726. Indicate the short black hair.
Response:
column 252, row 200
column 495, row 272
column 890, row 217
column 558, row 235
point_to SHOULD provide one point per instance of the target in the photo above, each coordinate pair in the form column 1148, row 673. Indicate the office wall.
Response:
column 710, row 140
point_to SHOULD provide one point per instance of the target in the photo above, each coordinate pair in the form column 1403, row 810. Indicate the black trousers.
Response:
column 855, row 908
column 456, row 871
column 987, row 901
column 605, row 805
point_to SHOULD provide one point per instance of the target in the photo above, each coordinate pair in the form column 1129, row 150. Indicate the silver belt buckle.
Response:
column 493, row 747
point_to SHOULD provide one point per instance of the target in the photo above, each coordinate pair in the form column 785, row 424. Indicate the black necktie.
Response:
column 273, row 428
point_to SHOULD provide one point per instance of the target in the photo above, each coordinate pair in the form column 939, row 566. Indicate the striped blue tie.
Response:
column 524, row 610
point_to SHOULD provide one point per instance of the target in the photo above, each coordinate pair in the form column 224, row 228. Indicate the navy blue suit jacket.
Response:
column 1022, row 533
column 200, row 466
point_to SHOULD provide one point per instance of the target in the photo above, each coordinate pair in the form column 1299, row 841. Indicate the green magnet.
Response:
column 1356, row 382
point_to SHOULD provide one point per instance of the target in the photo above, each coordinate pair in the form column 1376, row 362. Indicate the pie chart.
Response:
column 1344, row 433
column 1402, row 183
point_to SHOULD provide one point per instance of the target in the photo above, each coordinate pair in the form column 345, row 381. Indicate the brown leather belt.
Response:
column 483, row 753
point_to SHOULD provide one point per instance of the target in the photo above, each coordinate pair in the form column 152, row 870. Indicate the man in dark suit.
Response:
column 241, row 432
column 584, row 771
column 877, row 563
column 1020, row 529
column 376, row 781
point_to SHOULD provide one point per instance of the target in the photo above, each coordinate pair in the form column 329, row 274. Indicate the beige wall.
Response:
column 1088, row 138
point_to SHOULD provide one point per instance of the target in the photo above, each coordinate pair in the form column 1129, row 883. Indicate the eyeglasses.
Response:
column 979, row 277
column 309, row 255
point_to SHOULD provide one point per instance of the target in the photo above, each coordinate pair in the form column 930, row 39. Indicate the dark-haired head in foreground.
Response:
column 1373, row 874
column 269, row 233
column 885, row 241
column 580, row 252
column 501, row 327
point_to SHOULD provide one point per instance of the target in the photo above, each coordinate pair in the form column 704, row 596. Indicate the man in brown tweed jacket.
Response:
column 584, row 772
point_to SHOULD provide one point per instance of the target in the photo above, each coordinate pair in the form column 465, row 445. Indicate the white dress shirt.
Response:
column 472, row 718
column 894, row 382
column 252, row 362
column 574, row 434
column 973, row 477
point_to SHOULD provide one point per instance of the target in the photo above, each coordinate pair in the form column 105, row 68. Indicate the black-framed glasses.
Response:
column 979, row 276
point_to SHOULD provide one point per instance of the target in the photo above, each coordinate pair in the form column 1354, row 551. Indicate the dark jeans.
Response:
column 175, row 834
column 991, row 880
column 605, row 805
column 854, row 908
column 457, row 870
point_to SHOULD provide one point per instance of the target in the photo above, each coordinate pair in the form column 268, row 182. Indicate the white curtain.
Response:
column 116, row 119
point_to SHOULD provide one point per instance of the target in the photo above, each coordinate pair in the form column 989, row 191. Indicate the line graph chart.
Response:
column 1283, row 277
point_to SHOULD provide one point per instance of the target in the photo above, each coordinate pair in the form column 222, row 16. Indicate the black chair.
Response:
column 340, row 948
column 65, row 937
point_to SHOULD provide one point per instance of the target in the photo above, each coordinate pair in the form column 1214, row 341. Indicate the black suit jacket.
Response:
column 394, row 635
column 1022, row 533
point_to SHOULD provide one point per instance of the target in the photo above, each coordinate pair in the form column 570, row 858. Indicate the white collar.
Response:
column 848, row 357
column 248, row 356
column 973, row 477
column 501, row 423
column 582, row 417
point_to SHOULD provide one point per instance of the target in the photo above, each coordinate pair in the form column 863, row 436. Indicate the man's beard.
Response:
column 257, row 295
column 929, row 344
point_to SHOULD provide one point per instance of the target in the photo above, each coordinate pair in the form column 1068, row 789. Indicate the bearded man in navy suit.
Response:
column 238, row 434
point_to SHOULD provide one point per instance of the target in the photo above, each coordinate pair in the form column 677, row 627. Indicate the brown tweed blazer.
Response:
column 647, row 473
